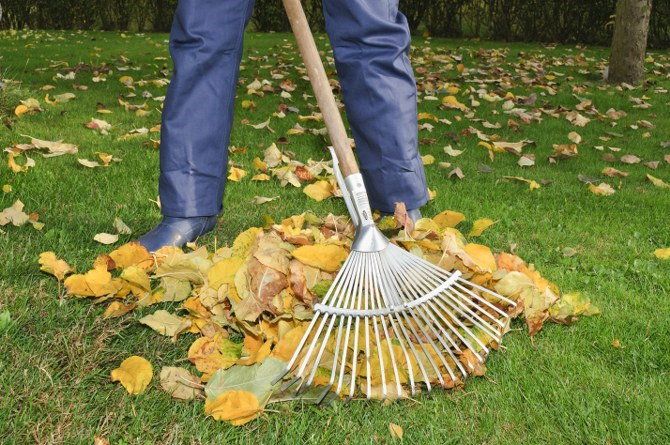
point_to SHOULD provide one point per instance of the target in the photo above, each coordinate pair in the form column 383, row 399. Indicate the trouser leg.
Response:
column 206, row 48
column 371, row 42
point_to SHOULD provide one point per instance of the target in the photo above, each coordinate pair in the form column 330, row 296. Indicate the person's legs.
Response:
column 206, row 48
column 371, row 40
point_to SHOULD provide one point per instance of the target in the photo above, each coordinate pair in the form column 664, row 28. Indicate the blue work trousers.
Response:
column 370, row 40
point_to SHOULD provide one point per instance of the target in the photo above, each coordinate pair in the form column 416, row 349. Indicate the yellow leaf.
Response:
column 319, row 190
column 452, row 102
column 662, row 254
column 396, row 431
column 137, row 276
column 20, row 110
column 658, row 182
column 117, row 309
column 482, row 256
column 236, row 407
column 327, row 257
column 448, row 218
column 210, row 354
column 134, row 373
column 223, row 272
column 480, row 226
column 132, row 254
column 288, row 343
column 428, row 159
column 260, row 177
column 50, row 264
column 245, row 241
column 236, row 174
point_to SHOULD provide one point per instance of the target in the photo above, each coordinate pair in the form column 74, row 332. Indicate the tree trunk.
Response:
column 629, row 43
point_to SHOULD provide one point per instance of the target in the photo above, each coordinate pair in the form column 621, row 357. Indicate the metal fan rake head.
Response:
column 391, row 310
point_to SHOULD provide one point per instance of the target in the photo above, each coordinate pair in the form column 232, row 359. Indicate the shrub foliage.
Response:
column 561, row 21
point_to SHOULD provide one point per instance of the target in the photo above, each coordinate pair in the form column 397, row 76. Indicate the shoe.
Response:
column 177, row 231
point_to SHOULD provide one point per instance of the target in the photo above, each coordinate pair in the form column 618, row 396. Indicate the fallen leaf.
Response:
column 601, row 190
column 319, row 190
column 106, row 238
column 479, row 226
column 180, row 383
column 50, row 264
column 236, row 407
column 327, row 257
column 658, row 182
column 166, row 323
column 662, row 254
column 396, row 431
column 134, row 373
column 630, row 159
column 258, row 200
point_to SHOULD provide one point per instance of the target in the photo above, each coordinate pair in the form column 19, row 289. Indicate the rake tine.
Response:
column 396, row 289
column 388, row 340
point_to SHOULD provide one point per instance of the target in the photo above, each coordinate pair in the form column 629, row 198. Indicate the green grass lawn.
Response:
column 567, row 385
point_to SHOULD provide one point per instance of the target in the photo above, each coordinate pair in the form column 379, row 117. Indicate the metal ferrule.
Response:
column 368, row 237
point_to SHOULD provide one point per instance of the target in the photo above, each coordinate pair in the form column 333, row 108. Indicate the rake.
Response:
column 386, row 307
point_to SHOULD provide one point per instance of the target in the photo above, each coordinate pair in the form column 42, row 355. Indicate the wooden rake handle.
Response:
column 321, row 87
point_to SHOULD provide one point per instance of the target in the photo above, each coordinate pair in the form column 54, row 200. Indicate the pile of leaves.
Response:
column 247, row 305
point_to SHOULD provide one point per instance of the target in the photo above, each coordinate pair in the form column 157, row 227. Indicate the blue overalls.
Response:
column 371, row 41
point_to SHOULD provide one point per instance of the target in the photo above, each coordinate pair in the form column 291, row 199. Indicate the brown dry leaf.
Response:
column 134, row 373
column 49, row 263
column 99, row 125
column 630, row 159
column 613, row 172
column 564, row 151
column 236, row 407
column 402, row 217
column 180, row 383
column 14, row 214
column 601, row 190
column 457, row 172
column 327, row 257
column 575, row 137
column 55, row 148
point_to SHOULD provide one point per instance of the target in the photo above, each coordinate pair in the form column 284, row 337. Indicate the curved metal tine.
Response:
column 333, row 289
column 368, row 295
column 388, row 279
column 358, row 302
column 341, row 319
column 489, row 291
column 429, row 318
column 434, row 312
column 389, row 344
column 383, row 290
column 341, row 292
column 428, row 279
column 483, row 300
column 467, row 312
column 442, row 272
